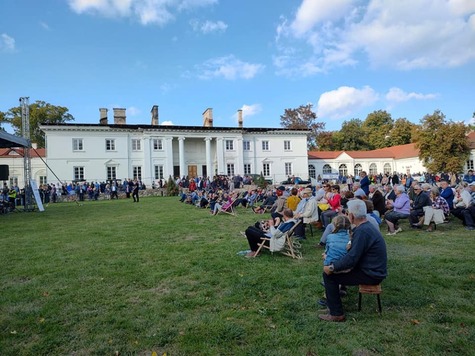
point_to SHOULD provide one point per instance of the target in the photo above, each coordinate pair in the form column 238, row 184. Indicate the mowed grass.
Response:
column 160, row 276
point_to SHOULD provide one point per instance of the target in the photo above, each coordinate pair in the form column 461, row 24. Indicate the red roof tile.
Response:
column 6, row 152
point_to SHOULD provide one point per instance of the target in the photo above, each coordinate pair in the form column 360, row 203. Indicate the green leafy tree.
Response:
column 2, row 120
column 172, row 187
column 326, row 141
column 351, row 137
column 376, row 128
column 402, row 132
column 40, row 112
column 443, row 145
column 303, row 118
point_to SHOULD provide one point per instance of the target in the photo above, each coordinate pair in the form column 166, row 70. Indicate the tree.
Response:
column 402, row 132
column 443, row 145
column 303, row 118
column 326, row 141
column 351, row 137
column 376, row 128
column 2, row 120
column 40, row 112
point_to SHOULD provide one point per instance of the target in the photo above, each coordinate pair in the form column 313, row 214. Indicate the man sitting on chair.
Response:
column 366, row 260
column 276, row 234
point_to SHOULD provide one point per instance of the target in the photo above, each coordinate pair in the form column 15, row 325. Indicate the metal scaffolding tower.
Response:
column 25, row 130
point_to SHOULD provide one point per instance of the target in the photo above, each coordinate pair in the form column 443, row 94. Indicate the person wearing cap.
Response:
column 421, row 200
column 366, row 260
column 308, row 212
column 469, row 177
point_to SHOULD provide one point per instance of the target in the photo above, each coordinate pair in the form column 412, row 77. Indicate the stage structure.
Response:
column 25, row 130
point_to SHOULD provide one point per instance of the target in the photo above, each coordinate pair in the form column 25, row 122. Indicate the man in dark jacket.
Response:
column 421, row 199
column 365, row 262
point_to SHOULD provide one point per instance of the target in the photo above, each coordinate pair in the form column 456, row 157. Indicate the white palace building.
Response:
column 106, row 151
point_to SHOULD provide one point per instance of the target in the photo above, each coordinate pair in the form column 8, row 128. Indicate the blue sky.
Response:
column 346, row 57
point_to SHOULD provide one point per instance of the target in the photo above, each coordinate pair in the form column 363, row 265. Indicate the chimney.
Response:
column 208, row 118
column 154, row 112
column 119, row 116
column 103, row 116
column 240, row 118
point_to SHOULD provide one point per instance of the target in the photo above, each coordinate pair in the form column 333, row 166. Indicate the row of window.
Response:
column 158, row 171
column 78, row 145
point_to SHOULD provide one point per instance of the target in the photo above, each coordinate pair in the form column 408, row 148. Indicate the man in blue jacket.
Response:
column 366, row 260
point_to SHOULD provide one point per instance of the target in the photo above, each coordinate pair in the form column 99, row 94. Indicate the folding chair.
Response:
column 290, row 248
column 228, row 208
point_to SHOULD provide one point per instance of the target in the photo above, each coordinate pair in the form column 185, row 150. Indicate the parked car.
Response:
column 295, row 180
column 255, row 177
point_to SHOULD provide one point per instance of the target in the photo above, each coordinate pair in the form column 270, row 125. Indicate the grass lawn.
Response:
column 164, row 277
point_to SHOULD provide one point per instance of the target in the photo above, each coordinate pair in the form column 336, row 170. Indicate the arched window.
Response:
column 312, row 172
column 343, row 170
column 358, row 169
column 373, row 169
column 387, row 168
column 327, row 169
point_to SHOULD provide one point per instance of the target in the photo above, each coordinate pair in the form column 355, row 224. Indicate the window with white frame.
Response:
column 137, row 172
column 42, row 180
column 136, row 144
column 343, row 170
column 78, row 173
column 110, row 144
column 373, row 168
column 13, row 181
column 229, row 145
column 387, row 168
column 286, row 145
column 78, row 144
column 230, row 169
column 358, row 169
column 247, row 168
column 158, row 172
column 288, row 169
column 265, row 145
column 246, row 145
column 327, row 169
column 157, row 144
column 469, row 164
column 111, row 172
column 312, row 172
column 266, row 169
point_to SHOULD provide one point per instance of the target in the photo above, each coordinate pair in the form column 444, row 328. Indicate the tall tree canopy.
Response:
column 351, row 137
column 443, row 145
column 376, row 128
column 303, row 118
column 401, row 133
column 40, row 112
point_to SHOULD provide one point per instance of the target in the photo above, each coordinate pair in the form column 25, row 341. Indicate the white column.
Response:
column 209, row 164
column 220, row 155
column 147, row 175
column 181, row 149
column 168, row 169
column 239, row 169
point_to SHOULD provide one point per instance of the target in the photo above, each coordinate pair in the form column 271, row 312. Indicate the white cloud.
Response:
column 208, row 26
column 397, row 95
column 7, row 43
column 44, row 25
column 344, row 101
column 167, row 123
column 133, row 111
column 229, row 68
column 248, row 111
column 158, row 12
column 402, row 34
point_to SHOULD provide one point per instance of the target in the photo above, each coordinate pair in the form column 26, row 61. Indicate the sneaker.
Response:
column 243, row 233
column 391, row 233
column 398, row 230
column 469, row 228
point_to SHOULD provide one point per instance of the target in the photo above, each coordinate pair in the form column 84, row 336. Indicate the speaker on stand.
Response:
column 4, row 172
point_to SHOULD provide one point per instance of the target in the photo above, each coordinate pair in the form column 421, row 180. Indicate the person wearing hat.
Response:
column 308, row 212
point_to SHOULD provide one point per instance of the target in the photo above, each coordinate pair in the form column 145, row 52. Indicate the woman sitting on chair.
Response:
column 274, row 238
